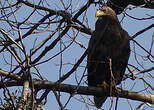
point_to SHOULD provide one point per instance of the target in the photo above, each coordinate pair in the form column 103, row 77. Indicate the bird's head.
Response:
column 106, row 11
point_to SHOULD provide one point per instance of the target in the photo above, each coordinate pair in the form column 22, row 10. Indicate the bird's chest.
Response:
column 110, row 44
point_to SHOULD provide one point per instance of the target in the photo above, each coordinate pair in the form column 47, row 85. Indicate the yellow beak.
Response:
column 99, row 13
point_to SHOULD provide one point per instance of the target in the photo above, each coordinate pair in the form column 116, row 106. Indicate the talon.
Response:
column 105, row 86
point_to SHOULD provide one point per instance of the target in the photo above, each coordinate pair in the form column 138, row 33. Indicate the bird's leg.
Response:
column 105, row 86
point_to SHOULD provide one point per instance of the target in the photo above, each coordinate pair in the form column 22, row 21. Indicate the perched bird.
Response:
column 108, row 52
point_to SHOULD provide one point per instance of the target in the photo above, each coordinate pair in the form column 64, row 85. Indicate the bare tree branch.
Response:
column 119, row 5
column 72, row 89
column 142, row 31
column 9, row 75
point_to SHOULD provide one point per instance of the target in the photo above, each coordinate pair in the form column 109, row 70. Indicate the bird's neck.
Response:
column 104, row 21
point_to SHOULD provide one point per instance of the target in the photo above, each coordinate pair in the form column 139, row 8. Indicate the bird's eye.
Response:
column 103, row 10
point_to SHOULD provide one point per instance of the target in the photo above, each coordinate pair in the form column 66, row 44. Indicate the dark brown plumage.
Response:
column 108, row 52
